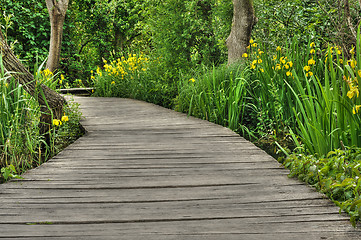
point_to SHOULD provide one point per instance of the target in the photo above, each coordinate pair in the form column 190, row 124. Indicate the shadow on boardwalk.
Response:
column 145, row 172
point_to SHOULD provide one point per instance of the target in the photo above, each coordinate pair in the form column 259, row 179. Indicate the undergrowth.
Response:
column 22, row 146
column 337, row 175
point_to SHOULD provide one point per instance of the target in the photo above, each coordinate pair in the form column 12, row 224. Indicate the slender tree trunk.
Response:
column 243, row 21
column 349, row 21
column 57, row 10
column 118, row 38
column 42, row 93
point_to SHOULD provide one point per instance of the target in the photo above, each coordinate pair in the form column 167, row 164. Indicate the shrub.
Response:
column 136, row 76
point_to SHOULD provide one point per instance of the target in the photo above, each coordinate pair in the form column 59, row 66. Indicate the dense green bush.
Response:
column 99, row 30
column 186, row 33
column 27, row 28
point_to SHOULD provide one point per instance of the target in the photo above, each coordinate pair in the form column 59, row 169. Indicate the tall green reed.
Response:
column 218, row 95
column 19, row 134
column 307, row 92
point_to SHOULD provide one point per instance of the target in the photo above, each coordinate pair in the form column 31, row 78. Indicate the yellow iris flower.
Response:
column 311, row 61
column 64, row 118
column 355, row 109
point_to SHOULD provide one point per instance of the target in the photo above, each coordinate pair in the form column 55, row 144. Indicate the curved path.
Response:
column 145, row 172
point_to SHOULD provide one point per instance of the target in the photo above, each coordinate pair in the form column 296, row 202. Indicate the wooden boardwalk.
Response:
column 145, row 172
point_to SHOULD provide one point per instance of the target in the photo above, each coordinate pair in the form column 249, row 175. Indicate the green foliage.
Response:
column 218, row 95
column 323, row 21
column 280, row 21
column 337, row 176
column 9, row 172
column 99, row 30
column 183, row 34
column 222, row 23
column 29, row 30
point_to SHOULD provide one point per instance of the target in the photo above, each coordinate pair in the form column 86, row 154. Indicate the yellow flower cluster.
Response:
column 255, row 62
column 57, row 122
column 122, row 67
column 353, row 80
column 61, row 78
column 352, row 63
column 252, row 43
column 310, row 62
column 257, row 53
column 282, row 63
column 337, row 50
column 353, row 92
column 353, row 85
column 47, row 73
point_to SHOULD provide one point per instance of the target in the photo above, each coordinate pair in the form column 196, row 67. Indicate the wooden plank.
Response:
column 291, row 193
column 183, row 229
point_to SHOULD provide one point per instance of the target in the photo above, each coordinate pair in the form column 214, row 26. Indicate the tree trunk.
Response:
column 57, row 10
column 349, row 21
column 49, row 97
column 243, row 21
column 118, row 38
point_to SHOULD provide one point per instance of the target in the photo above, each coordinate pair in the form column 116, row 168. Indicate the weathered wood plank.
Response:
column 222, row 229
column 145, row 172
